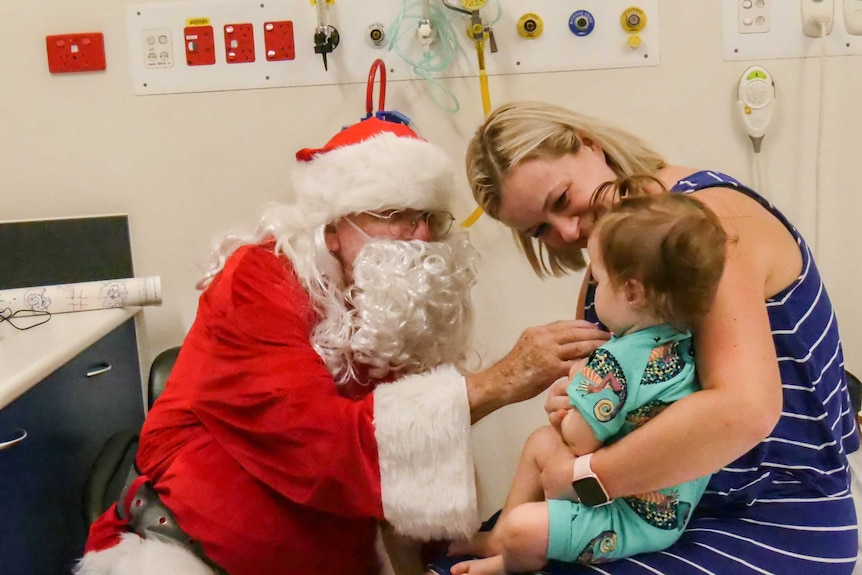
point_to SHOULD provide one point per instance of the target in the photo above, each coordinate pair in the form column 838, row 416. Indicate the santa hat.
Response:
column 372, row 165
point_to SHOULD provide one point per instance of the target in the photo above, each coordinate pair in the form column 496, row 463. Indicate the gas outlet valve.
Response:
column 581, row 23
column 633, row 19
column 376, row 36
column 530, row 25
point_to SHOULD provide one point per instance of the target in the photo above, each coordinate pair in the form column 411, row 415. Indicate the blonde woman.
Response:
column 773, row 422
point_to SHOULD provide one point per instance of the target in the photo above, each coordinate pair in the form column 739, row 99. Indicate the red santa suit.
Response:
column 271, row 467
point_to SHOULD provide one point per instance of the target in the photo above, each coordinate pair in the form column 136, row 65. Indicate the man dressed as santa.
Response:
column 322, row 387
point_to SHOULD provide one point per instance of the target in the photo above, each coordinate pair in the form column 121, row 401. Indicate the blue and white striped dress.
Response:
column 785, row 506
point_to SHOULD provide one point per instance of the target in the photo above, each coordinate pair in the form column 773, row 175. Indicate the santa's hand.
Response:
column 545, row 353
column 541, row 355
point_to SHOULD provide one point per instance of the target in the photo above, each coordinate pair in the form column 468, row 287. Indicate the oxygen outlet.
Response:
column 581, row 23
column 530, row 25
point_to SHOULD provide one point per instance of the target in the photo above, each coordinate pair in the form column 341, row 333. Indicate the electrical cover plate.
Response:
column 83, row 52
column 238, row 43
column 754, row 16
column 278, row 40
column 158, row 48
column 200, row 45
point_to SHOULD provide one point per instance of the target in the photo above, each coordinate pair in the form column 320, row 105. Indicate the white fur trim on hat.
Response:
column 383, row 172
column 427, row 477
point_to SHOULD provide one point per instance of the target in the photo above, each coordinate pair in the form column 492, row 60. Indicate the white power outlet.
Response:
column 753, row 16
column 817, row 13
column 158, row 48
column 853, row 16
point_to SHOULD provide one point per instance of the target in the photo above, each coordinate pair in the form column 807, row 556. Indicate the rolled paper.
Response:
column 83, row 296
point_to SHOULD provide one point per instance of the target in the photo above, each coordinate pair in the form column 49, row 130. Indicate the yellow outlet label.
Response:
column 530, row 25
column 198, row 22
column 633, row 19
column 314, row 2
column 473, row 4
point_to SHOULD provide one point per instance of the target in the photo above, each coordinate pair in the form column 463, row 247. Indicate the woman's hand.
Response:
column 541, row 355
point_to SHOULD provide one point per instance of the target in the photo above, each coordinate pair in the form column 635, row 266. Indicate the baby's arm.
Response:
column 578, row 434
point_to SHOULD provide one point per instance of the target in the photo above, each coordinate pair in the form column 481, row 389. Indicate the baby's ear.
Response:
column 635, row 293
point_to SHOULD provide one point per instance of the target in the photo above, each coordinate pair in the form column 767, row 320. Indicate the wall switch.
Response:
column 158, row 48
column 816, row 13
column 753, row 16
column 239, row 43
column 278, row 40
column 200, row 45
column 853, row 16
column 83, row 52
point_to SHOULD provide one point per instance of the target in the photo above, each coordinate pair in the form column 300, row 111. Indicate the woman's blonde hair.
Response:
column 674, row 245
column 523, row 131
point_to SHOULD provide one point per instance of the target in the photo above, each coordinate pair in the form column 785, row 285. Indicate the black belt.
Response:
column 151, row 519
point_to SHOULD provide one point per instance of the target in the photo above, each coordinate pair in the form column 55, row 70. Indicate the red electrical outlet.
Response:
column 83, row 52
column 239, row 43
column 278, row 40
column 200, row 45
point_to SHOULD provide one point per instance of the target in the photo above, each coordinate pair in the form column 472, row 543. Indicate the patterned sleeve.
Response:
column 599, row 392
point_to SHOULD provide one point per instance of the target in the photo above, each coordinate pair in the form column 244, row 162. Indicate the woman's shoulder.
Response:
column 688, row 179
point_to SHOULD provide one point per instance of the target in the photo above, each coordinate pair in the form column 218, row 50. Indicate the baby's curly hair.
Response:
column 672, row 243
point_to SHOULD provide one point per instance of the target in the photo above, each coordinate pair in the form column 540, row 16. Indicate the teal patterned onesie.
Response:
column 625, row 382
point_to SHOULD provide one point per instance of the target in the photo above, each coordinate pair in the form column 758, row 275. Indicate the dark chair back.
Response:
column 159, row 372
column 117, row 456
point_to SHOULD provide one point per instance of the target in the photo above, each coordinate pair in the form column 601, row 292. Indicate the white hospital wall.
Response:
column 187, row 168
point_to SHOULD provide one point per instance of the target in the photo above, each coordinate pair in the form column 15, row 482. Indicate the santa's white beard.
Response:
column 407, row 311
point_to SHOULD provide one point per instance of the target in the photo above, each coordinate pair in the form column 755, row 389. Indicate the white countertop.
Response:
column 27, row 357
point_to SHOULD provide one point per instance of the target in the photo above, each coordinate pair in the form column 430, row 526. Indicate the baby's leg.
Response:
column 523, row 540
column 526, row 488
column 524, row 537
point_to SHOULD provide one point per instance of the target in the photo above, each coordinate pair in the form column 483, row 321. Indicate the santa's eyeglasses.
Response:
column 400, row 221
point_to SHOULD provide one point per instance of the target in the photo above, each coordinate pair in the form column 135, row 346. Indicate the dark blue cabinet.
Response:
column 67, row 417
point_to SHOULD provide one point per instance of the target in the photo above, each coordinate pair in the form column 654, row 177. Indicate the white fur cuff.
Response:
column 422, row 425
column 136, row 556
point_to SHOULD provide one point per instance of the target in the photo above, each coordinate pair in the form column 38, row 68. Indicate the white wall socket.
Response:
column 753, row 16
column 158, row 48
column 816, row 13
column 853, row 16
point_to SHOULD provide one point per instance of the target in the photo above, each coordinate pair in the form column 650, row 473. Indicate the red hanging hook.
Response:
column 377, row 65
